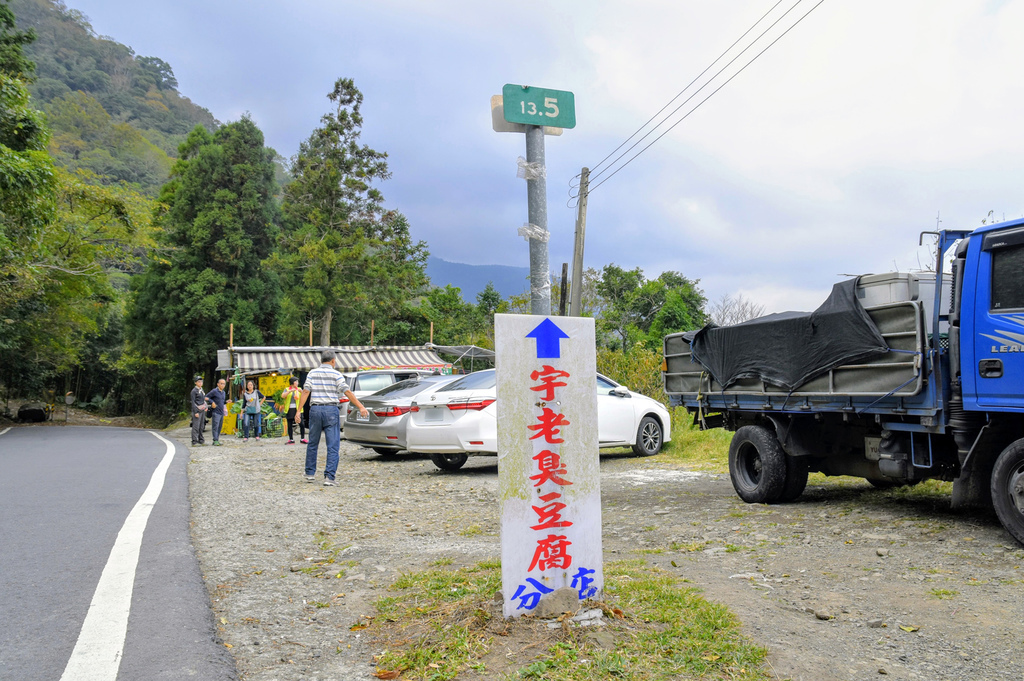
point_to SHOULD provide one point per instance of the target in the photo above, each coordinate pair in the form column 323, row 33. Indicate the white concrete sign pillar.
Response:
column 548, row 468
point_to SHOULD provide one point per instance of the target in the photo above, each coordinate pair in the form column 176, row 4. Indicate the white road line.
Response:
column 5, row 430
column 97, row 654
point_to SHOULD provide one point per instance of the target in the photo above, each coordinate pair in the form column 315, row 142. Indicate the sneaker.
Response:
column 257, row 438
column 305, row 442
column 245, row 439
column 290, row 442
column 330, row 483
column 310, row 478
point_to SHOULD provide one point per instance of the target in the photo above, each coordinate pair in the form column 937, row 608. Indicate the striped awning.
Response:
column 350, row 358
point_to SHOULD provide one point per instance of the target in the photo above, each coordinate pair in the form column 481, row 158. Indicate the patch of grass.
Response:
column 472, row 531
column 942, row 594
column 644, row 552
column 437, row 624
column 689, row 547
column 441, row 562
column 706, row 450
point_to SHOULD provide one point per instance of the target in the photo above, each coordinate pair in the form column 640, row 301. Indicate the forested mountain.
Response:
column 111, row 112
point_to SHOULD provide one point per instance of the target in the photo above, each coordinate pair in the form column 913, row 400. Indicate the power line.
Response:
column 689, row 85
column 687, row 114
column 709, row 81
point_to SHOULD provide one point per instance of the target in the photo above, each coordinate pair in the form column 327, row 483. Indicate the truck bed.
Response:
column 891, row 378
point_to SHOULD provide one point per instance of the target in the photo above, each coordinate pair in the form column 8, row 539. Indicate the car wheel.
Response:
column 1008, row 489
column 648, row 437
column 449, row 462
column 757, row 465
column 384, row 451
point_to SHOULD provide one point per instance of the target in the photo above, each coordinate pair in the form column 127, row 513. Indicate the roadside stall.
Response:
column 271, row 367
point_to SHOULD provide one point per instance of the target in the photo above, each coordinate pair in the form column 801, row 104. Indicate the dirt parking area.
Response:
column 848, row 582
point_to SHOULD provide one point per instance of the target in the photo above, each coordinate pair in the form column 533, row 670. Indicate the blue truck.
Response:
column 896, row 378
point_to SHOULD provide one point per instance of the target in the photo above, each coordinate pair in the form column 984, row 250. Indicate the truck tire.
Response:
column 796, row 478
column 449, row 462
column 1008, row 489
column 648, row 437
column 757, row 465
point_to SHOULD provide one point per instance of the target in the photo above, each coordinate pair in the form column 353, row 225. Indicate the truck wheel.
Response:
column 757, row 465
column 449, row 462
column 796, row 478
column 648, row 437
column 1008, row 489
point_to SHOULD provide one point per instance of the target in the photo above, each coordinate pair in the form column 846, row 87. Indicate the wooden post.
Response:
column 231, row 336
column 431, row 332
column 310, row 333
column 371, row 331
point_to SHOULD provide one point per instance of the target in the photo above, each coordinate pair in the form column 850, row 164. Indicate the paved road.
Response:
column 73, row 507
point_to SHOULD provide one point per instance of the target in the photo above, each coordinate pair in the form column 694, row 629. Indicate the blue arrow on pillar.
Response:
column 548, row 336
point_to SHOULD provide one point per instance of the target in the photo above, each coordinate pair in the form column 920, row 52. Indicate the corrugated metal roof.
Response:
column 350, row 358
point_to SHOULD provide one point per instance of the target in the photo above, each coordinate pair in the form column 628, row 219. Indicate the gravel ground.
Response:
column 830, row 584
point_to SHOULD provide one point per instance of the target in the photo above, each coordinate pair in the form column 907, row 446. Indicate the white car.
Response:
column 459, row 420
column 363, row 383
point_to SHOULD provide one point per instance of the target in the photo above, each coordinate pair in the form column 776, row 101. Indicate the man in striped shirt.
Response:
column 323, row 388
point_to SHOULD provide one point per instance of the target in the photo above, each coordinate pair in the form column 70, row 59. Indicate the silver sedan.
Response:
column 383, row 430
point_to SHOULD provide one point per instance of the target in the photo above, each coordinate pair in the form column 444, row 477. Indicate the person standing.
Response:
column 217, row 398
column 292, row 394
column 197, row 404
column 252, row 404
column 324, row 386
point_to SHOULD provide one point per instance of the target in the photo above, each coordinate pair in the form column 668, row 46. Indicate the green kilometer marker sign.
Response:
column 538, row 106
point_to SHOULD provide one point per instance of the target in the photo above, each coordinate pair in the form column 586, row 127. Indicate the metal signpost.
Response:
column 537, row 110
column 548, row 470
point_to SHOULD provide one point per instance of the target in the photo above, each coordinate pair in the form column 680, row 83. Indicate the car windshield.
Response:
column 480, row 380
column 410, row 387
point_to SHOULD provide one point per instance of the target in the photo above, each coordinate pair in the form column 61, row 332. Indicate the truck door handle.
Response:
column 990, row 368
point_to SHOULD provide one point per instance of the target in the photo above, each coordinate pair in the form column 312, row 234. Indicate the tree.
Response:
column 728, row 310
column 346, row 261
column 638, row 310
column 12, row 61
column 220, row 224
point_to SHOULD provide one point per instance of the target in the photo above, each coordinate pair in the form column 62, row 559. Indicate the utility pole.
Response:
column 537, row 210
column 577, row 252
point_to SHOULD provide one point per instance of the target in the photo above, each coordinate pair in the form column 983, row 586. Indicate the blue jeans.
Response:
column 323, row 418
column 257, row 429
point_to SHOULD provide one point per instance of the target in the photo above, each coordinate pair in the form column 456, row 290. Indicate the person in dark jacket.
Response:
column 216, row 399
column 197, row 403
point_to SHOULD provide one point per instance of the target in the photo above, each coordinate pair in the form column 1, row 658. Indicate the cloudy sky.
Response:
column 826, row 156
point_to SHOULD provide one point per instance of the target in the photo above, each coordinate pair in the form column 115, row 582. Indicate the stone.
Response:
column 876, row 623
column 558, row 602
column 823, row 614
column 882, row 552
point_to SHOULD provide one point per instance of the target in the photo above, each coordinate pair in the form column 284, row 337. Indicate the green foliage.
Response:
column 85, row 136
column 636, row 310
column 345, row 261
column 219, row 226
column 13, row 62
column 137, row 90
column 638, row 369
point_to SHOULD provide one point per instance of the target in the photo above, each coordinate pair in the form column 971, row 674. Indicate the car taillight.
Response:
column 471, row 405
column 414, row 408
column 393, row 411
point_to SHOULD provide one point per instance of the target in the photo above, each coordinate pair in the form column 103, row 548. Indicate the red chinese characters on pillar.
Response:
column 548, row 376
column 552, row 552
column 549, row 426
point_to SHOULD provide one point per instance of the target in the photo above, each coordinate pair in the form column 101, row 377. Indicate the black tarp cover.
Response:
column 790, row 348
